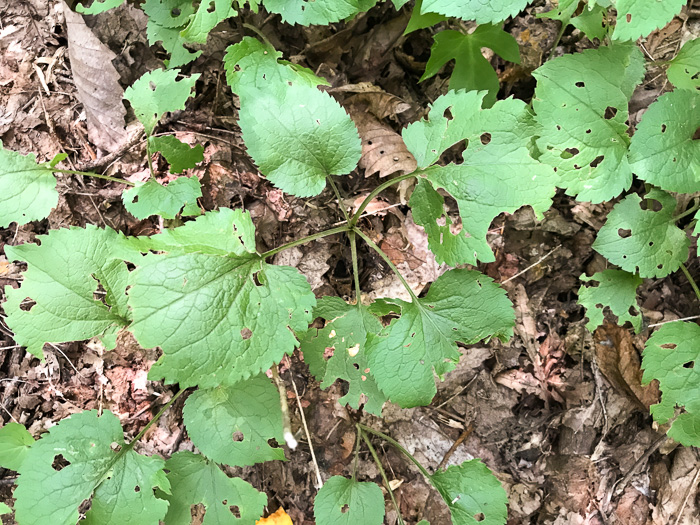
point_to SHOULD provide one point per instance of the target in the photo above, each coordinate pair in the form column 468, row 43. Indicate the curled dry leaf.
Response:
column 383, row 150
column 619, row 362
column 375, row 99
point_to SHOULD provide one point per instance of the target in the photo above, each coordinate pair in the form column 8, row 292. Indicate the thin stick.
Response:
column 383, row 473
column 531, row 266
column 95, row 175
column 675, row 320
column 691, row 280
column 166, row 406
column 687, row 496
column 461, row 439
column 619, row 487
column 393, row 267
column 286, row 421
column 319, row 480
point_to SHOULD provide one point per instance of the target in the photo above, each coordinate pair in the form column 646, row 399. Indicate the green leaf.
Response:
column 168, row 13
column 684, row 70
column 345, row 334
column 663, row 151
column 637, row 18
column 398, row 4
column 195, row 480
column 173, row 43
column 232, row 425
column 62, row 277
column 343, row 501
column 581, row 106
column 563, row 11
column 179, row 155
column 593, row 22
column 58, row 159
column 473, row 494
column 27, row 189
column 472, row 71
column 457, row 116
column 299, row 138
column 672, row 357
column 488, row 182
column 461, row 305
column 158, row 92
column 120, row 483
column 97, row 6
column 15, row 441
column 209, row 14
column 482, row 12
column 641, row 241
column 152, row 198
column 616, row 290
column 219, row 317
column 421, row 20
column 317, row 12
column 220, row 232
column 252, row 66
column 4, row 509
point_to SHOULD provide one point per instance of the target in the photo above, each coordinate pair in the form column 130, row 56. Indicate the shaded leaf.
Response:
column 100, row 465
column 233, row 424
column 27, row 189
column 637, row 18
column 671, row 355
column 461, row 305
column 317, row 12
column 345, row 333
column 616, row 290
column 15, row 441
column 62, row 277
column 97, row 6
column 220, row 317
column 472, row 71
column 343, row 501
column 179, row 155
column 152, row 198
column 209, row 14
column 158, row 92
column 478, row 10
column 581, row 105
column 473, row 494
column 195, row 480
column 684, row 70
column 640, row 241
column 663, row 151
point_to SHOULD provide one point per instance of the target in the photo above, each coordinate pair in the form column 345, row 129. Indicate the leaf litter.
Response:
column 554, row 415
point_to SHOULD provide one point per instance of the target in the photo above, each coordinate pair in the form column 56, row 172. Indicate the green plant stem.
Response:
column 377, row 191
column 149, row 154
column 398, row 446
column 337, row 196
column 304, row 240
column 686, row 213
column 155, row 418
column 691, row 280
column 259, row 33
column 393, row 267
column 95, row 175
column 355, row 267
column 358, row 440
column 382, row 472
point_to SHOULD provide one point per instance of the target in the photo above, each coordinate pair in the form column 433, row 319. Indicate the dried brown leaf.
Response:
column 97, row 82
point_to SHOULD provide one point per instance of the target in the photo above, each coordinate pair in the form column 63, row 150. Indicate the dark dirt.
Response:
column 558, row 419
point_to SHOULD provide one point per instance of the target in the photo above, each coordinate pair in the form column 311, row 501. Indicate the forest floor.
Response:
column 557, row 413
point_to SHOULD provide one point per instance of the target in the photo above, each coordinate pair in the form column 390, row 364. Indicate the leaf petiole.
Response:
column 386, row 259
column 398, row 446
column 95, row 175
column 304, row 240
column 381, row 471
column 377, row 191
